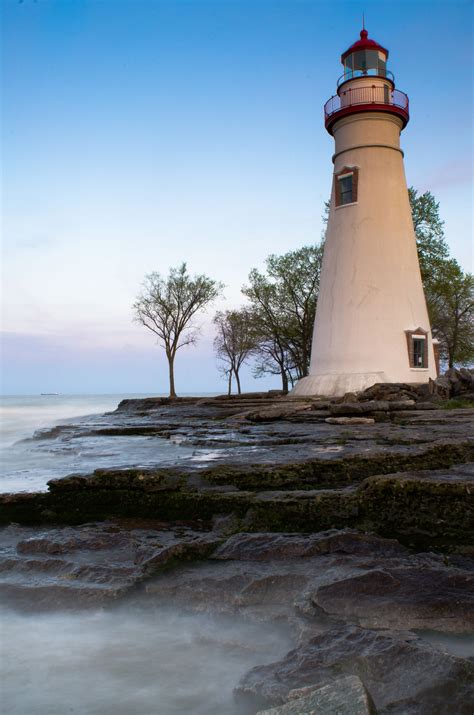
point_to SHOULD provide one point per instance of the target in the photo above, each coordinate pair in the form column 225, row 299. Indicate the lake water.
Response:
column 27, row 464
column 130, row 661
column 127, row 660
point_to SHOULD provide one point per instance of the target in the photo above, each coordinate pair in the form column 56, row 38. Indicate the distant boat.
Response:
column 43, row 394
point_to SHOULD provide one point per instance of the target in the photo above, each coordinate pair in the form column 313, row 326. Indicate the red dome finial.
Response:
column 364, row 44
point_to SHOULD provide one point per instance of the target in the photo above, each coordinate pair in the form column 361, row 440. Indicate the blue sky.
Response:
column 140, row 134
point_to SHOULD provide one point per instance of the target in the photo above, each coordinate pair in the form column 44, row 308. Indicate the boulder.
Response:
column 344, row 696
column 403, row 675
column 441, row 387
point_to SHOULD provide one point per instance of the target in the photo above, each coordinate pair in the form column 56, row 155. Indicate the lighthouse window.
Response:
column 417, row 348
column 419, row 352
column 346, row 186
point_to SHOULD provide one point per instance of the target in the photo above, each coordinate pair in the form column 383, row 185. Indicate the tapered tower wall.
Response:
column 371, row 297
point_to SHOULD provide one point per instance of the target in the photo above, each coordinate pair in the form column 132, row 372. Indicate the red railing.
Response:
column 366, row 95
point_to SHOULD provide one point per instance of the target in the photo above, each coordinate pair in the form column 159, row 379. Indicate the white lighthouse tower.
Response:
column 371, row 321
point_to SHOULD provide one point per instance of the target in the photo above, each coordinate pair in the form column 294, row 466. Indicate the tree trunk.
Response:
column 171, row 373
column 284, row 380
column 229, row 384
column 236, row 373
column 453, row 348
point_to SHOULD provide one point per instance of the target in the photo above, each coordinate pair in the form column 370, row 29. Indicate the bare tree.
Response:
column 167, row 307
column 234, row 342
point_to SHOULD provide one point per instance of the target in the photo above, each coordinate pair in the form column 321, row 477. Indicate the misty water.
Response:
column 130, row 661
column 29, row 456
column 126, row 660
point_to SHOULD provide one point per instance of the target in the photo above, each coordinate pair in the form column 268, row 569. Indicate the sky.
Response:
column 137, row 134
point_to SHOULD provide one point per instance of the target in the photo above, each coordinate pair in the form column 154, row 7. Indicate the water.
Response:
column 461, row 645
column 27, row 464
column 130, row 662
column 22, row 415
column 127, row 660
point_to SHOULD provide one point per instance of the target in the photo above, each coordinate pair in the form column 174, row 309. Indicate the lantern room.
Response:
column 366, row 85
column 364, row 58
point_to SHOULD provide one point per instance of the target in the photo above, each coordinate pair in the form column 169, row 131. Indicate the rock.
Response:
column 461, row 381
column 350, row 420
column 344, row 696
column 270, row 547
column 389, row 391
column 442, row 387
column 467, row 377
column 279, row 412
column 359, row 408
column 402, row 405
column 404, row 598
column 91, row 564
column 401, row 673
column 350, row 397
column 426, row 406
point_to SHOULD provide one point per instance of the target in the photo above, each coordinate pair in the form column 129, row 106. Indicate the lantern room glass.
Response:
column 365, row 62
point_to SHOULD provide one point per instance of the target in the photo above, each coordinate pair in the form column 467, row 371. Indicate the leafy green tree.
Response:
column 448, row 290
column 234, row 342
column 167, row 307
column 283, row 304
column 451, row 304
column 429, row 229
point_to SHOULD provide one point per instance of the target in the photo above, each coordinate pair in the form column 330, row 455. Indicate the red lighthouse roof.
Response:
column 363, row 44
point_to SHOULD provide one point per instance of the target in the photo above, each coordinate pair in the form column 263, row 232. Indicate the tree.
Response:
column 234, row 342
column 283, row 304
column 448, row 290
column 167, row 307
column 429, row 230
column 451, row 302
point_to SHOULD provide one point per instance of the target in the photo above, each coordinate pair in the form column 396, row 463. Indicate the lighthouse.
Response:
column 371, row 322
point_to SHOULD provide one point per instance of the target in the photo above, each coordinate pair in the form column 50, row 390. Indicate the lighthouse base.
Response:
column 334, row 385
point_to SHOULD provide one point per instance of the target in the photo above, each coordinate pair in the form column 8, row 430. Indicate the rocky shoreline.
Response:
column 351, row 522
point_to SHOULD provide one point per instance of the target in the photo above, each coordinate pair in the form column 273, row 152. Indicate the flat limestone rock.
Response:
column 350, row 420
column 344, row 696
column 92, row 564
column 360, row 408
column 271, row 547
column 278, row 412
column 440, row 599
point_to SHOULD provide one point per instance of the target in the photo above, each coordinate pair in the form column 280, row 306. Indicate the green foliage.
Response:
column 448, row 290
column 429, row 229
column 456, row 404
column 450, row 298
column 283, row 304
column 168, row 305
